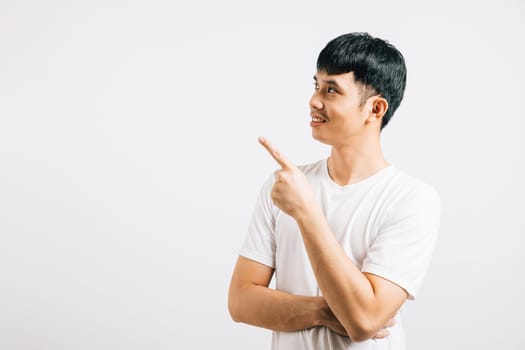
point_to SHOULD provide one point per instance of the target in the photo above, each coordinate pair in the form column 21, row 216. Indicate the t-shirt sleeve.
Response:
column 259, row 244
column 406, row 239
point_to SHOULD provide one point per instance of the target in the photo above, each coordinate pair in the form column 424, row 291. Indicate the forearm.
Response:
column 348, row 292
column 275, row 310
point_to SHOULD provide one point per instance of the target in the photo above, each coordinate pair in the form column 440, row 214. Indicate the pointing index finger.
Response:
column 279, row 158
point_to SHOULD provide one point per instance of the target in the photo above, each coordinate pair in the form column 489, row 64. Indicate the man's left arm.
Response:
column 362, row 302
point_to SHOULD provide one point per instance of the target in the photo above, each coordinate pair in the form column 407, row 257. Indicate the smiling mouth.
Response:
column 318, row 120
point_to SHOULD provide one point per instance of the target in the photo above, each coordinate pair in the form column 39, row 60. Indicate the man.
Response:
column 349, row 237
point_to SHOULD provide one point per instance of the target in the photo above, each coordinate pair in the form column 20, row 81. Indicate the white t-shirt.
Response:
column 387, row 224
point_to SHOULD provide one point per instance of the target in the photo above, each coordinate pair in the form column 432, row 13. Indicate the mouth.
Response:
column 318, row 119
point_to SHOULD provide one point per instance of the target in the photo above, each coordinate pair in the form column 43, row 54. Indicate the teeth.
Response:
column 317, row 120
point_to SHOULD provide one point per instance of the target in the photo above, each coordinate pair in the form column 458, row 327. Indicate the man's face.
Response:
column 338, row 114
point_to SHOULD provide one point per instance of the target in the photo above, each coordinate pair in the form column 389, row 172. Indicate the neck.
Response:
column 356, row 161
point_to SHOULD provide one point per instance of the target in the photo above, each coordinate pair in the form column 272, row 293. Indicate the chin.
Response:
column 321, row 139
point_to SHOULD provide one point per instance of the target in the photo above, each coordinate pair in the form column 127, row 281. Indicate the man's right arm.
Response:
column 251, row 301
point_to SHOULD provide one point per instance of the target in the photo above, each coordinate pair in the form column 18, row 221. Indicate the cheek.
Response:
column 349, row 123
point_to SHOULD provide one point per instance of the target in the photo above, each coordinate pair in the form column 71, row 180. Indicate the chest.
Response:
column 354, row 218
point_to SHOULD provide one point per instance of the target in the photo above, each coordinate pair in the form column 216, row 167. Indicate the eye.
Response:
column 316, row 86
column 331, row 90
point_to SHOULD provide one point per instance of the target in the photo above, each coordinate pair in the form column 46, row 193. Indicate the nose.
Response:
column 316, row 102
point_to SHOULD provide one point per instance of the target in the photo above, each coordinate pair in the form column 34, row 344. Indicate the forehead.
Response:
column 344, row 80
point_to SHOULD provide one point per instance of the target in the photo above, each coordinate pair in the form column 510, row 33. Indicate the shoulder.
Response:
column 411, row 193
column 410, row 186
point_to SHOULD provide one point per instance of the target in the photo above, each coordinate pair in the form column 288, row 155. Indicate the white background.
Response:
column 129, row 164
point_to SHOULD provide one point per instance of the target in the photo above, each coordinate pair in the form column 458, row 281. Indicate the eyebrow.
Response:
column 329, row 82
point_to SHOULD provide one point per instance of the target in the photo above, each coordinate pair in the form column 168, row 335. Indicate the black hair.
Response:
column 376, row 64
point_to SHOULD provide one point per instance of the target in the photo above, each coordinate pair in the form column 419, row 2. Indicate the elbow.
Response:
column 361, row 331
column 233, row 308
column 234, row 313
column 360, row 335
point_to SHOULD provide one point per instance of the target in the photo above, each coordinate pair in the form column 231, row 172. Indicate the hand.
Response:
column 291, row 192
column 329, row 320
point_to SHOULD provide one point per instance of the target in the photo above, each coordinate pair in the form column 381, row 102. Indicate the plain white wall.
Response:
column 129, row 164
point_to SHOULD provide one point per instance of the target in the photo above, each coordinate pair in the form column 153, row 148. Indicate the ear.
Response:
column 377, row 109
